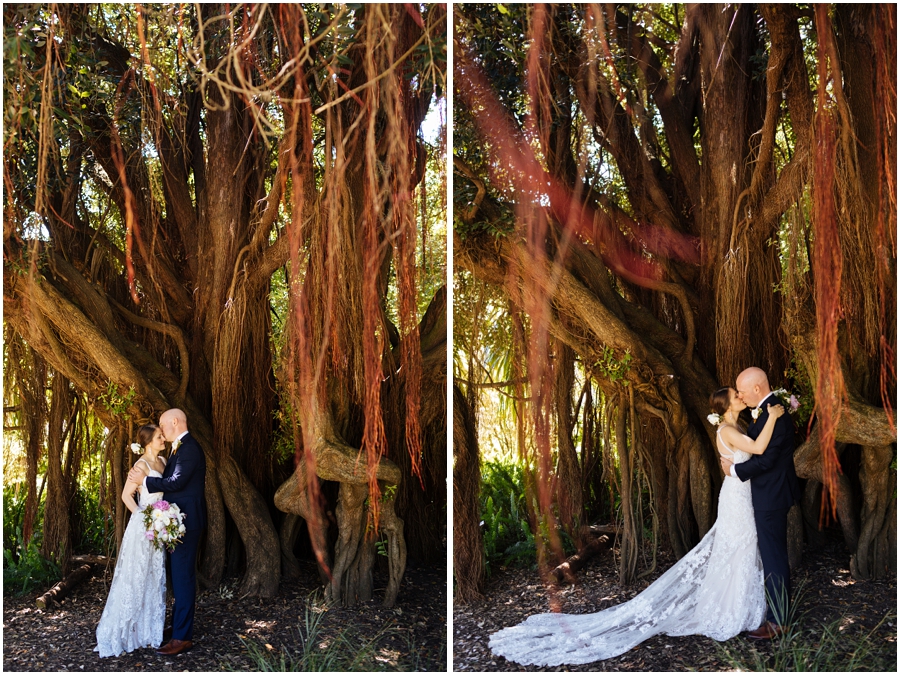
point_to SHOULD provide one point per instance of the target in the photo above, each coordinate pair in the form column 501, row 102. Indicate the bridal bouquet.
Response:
column 164, row 523
column 788, row 400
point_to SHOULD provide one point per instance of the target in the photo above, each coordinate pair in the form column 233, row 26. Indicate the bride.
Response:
column 136, row 605
column 715, row 590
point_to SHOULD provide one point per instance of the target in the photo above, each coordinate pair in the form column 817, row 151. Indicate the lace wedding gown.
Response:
column 715, row 590
column 136, row 606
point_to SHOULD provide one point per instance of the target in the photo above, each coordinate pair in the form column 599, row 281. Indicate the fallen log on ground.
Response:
column 94, row 559
column 565, row 573
column 58, row 592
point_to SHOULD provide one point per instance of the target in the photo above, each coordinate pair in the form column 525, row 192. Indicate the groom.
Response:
column 774, row 490
column 183, row 483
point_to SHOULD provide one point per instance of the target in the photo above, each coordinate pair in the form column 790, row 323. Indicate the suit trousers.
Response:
column 183, row 566
column 771, row 533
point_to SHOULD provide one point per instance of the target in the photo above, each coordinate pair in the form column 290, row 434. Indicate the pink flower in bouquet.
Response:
column 794, row 402
column 162, row 505
column 149, row 534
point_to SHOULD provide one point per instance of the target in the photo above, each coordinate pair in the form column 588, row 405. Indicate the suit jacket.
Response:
column 774, row 485
column 183, row 482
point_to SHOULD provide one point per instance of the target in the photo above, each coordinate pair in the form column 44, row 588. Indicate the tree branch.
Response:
column 678, row 126
column 468, row 217
column 172, row 331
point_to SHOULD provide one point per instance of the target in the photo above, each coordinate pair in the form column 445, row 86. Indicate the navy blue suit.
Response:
column 183, row 483
column 774, row 490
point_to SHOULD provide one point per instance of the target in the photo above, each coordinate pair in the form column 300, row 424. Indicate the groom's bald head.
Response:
column 173, row 422
column 752, row 386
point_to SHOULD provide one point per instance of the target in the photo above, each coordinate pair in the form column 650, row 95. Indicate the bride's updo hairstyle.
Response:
column 720, row 400
column 145, row 434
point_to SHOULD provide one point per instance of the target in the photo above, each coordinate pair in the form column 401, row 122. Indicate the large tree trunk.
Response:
column 57, row 544
column 468, row 546
column 568, row 471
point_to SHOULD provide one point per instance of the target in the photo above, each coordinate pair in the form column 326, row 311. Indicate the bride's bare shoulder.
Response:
column 726, row 432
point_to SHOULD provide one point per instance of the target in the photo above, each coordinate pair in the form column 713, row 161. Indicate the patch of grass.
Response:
column 809, row 645
column 318, row 650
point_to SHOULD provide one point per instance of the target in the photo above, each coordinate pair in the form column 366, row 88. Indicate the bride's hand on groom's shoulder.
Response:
column 776, row 410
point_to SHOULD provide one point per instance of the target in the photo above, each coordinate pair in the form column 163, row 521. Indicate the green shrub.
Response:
column 13, row 515
column 342, row 651
column 505, row 529
column 27, row 569
column 506, row 532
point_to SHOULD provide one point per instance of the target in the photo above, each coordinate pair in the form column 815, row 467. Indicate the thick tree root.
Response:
column 354, row 554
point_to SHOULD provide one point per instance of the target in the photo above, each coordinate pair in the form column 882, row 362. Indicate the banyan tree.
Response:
column 661, row 196
column 224, row 209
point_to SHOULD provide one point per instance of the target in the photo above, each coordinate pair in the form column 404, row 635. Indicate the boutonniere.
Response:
column 175, row 444
column 755, row 412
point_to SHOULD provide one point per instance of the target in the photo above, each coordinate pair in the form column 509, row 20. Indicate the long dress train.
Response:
column 136, row 606
column 715, row 590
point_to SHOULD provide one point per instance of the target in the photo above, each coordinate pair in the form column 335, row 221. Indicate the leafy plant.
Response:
column 29, row 569
column 506, row 531
column 809, row 645
column 117, row 403
column 318, row 650
column 612, row 367
column 13, row 514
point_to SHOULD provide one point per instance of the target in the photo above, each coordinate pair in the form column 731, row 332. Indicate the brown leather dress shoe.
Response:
column 173, row 647
column 767, row 631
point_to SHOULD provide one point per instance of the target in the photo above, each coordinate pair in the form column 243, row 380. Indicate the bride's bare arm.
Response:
column 128, row 495
column 130, row 488
column 739, row 441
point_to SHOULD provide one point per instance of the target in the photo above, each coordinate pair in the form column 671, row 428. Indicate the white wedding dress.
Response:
column 715, row 590
column 136, row 606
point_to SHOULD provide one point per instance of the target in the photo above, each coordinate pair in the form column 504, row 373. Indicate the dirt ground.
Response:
column 828, row 593
column 412, row 636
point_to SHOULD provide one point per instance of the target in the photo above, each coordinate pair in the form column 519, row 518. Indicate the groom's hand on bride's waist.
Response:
column 726, row 465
